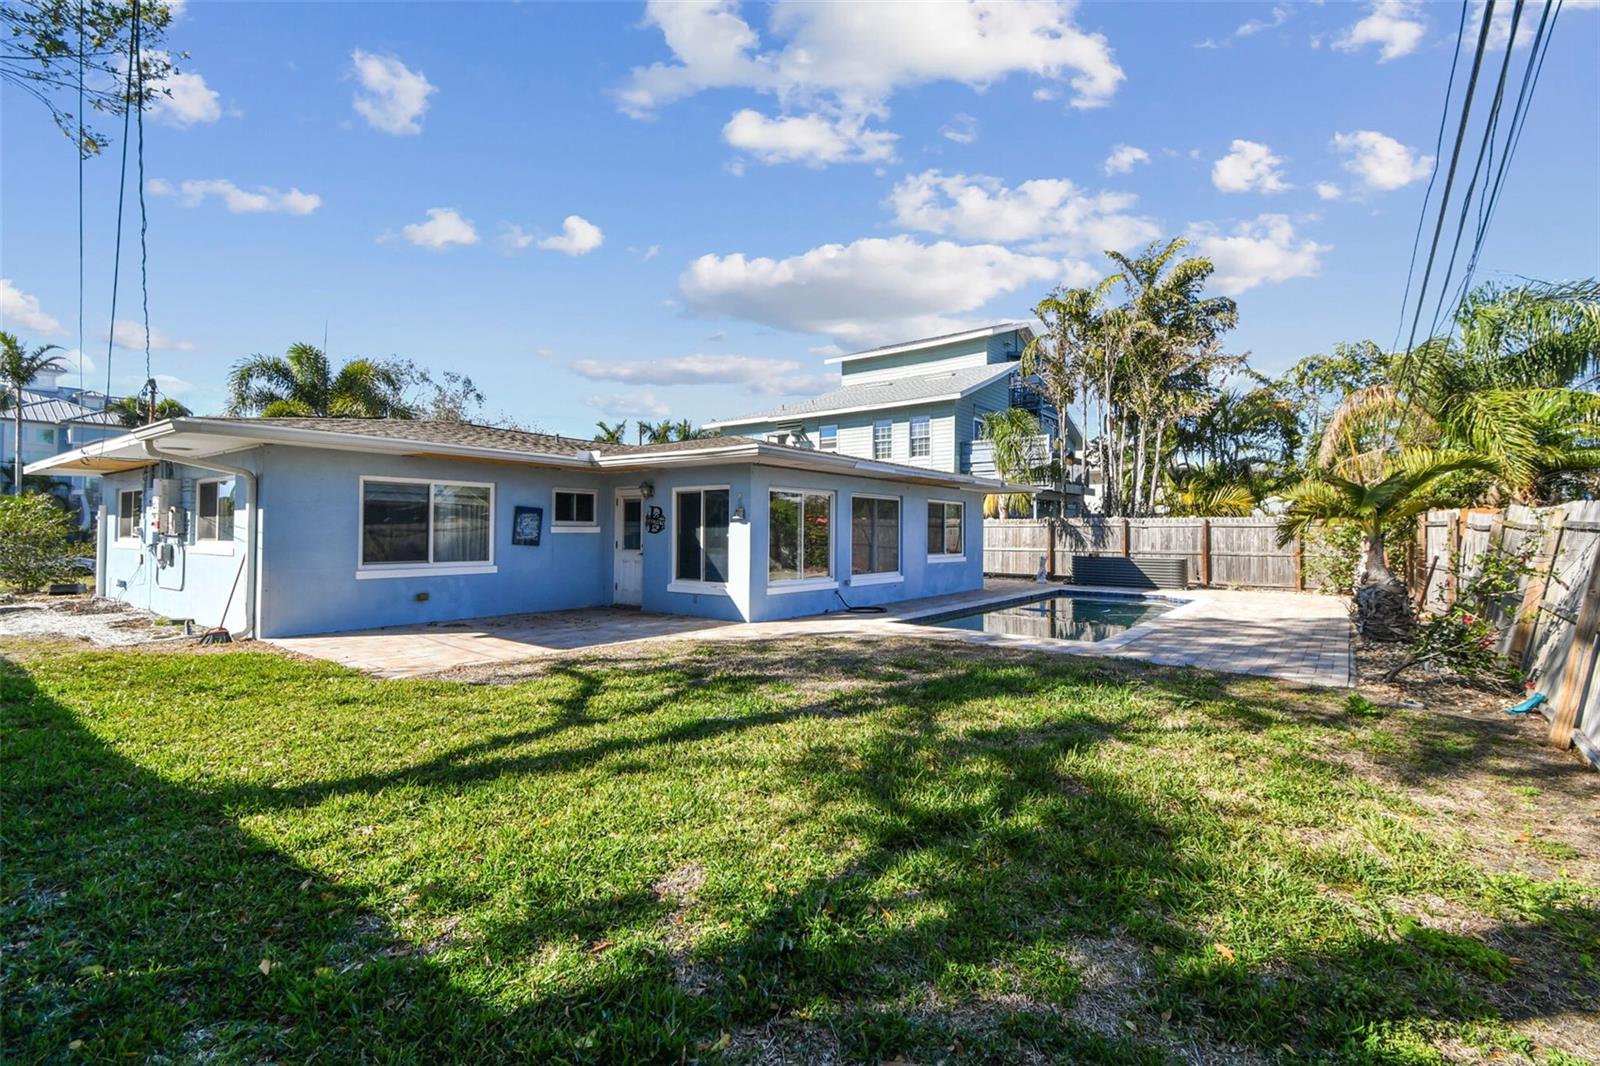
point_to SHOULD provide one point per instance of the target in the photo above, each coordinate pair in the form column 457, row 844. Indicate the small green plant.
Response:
column 1358, row 706
column 33, row 541
column 1464, row 637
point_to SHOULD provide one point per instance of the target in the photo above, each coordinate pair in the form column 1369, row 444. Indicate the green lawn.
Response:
column 868, row 852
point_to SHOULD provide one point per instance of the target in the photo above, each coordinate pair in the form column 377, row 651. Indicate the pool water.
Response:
column 1060, row 616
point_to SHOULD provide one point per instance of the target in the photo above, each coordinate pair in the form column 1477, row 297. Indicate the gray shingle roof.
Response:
column 896, row 392
column 469, row 434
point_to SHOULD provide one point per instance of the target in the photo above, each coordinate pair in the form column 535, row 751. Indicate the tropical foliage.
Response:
column 302, row 383
column 19, row 366
column 134, row 411
column 1012, row 434
column 33, row 541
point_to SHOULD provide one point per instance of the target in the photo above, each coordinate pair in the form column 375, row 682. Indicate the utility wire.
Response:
column 144, row 226
column 80, row 202
column 1450, row 177
column 1477, row 168
column 122, row 192
column 1427, row 197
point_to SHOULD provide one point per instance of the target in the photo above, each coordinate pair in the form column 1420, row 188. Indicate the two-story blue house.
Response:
column 921, row 403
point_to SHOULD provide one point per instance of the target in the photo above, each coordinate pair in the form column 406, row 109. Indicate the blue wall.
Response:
column 310, row 504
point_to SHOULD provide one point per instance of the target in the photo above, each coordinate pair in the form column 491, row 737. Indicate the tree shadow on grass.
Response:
column 986, row 858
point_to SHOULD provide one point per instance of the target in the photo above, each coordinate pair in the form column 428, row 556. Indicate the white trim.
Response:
column 212, row 545
column 807, row 584
column 927, row 438
column 674, row 582
column 415, row 569
column 137, row 535
column 932, row 342
column 947, row 558
column 826, row 443
column 558, row 526
column 425, row 570
column 884, row 578
column 804, row 584
column 879, row 577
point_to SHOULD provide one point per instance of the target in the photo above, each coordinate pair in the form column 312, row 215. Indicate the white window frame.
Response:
column 927, row 437
column 368, row 571
column 977, row 427
column 677, row 584
column 558, row 526
column 882, row 577
column 940, row 556
column 213, row 545
column 137, row 534
column 889, row 451
column 828, row 442
column 804, row 584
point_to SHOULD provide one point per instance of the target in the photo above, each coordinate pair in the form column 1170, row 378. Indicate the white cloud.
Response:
column 867, row 291
column 129, row 336
column 1327, row 190
column 642, row 404
column 815, row 139
column 185, row 99
column 1123, row 157
column 833, row 61
column 1395, row 26
column 962, row 129
column 22, row 311
column 778, row 377
column 1044, row 96
column 650, row 253
column 445, row 227
column 262, row 200
column 1280, row 15
column 1265, row 251
column 578, row 236
column 1381, row 162
column 1053, row 213
column 1248, row 165
column 393, row 97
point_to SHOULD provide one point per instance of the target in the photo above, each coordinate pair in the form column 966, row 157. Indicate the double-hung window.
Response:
column 882, row 439
column 828, row 439
column 214, row 510
column 410, row 526
column 700, row 536
column 944, row 529
column 874, row 536
column 799, row 536
column 130, row 513
column 575, row 512
column 921, row 436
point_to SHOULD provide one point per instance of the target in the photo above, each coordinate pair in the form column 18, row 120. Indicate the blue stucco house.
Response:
column 280, row 527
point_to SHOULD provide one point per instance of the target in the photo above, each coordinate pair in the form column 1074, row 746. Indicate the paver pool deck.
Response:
column 1298, row 637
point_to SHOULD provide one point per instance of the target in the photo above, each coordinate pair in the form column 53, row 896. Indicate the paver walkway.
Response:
column 1296, row 637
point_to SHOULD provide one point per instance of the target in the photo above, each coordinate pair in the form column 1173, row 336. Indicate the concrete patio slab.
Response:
column 1296, row 637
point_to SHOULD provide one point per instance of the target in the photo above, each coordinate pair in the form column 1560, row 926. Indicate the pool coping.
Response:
column 923, row 616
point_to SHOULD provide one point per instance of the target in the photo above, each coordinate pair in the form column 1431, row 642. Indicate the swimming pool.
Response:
column 1059, row 616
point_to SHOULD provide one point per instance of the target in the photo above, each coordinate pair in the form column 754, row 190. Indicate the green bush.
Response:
column 33, row 541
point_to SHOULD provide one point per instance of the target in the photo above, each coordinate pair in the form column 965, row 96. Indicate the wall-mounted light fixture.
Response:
column 647, row 489
column 738, row 512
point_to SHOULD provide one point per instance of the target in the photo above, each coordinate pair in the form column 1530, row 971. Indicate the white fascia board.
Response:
column 931, row 342
column 1001, row 370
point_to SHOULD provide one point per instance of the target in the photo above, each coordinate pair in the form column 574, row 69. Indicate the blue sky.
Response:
column 609, row 210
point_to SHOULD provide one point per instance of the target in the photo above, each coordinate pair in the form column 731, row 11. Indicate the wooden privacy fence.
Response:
column 1221, row 552
column 1551, row 620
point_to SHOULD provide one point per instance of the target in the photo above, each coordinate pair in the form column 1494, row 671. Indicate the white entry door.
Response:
column 627, row 566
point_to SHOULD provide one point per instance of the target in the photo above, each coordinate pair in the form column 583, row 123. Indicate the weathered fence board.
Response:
column 1238, row 552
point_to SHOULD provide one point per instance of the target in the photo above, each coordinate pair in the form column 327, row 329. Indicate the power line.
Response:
column 1427, row 196
column 80, row 201
column 122, row 192
column 1450, row 176
column 144, row 225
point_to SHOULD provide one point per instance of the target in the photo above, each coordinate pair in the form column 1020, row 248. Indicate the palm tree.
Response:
column 1390, row 489
column 18, row 369
column 656, row 432
column 1012, row 433
column 1207, row 492
column 133, row 411
column 608, row 433
column 302, row 383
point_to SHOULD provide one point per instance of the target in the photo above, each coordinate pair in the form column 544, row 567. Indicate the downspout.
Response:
column 252, row 548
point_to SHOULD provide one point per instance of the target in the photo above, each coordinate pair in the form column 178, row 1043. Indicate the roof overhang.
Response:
column 932, row 342
column 200, row 439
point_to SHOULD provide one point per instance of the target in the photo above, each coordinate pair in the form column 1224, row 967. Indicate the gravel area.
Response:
column 105, row 622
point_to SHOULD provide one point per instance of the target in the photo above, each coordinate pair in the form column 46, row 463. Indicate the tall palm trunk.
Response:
column 1383, row 607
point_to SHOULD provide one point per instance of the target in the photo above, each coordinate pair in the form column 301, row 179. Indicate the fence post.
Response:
column 1452, row 549
column 1544, row 565
column 1299, row 564
column 1050, row 547
column 1205, row 553
column 1127, row 539
column 1580, row 660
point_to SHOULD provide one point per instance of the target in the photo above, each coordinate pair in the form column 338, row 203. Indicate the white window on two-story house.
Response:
column 883, row 439
column 828, row 439
column 921, row 436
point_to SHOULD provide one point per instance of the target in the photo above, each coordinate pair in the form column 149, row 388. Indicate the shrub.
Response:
column 1464, row 638
column 33, row 541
